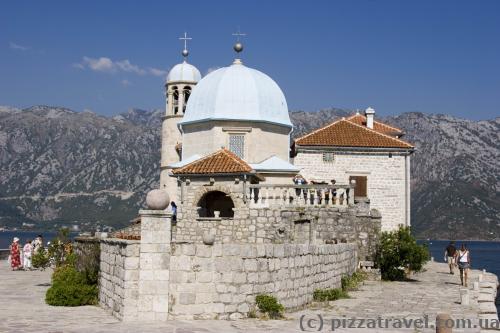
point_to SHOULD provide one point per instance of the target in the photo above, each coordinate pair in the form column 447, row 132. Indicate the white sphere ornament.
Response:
column 157, row 199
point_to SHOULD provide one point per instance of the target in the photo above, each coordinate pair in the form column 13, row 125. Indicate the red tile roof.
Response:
column 377, row 126
column 345, row 133
column 222, row 161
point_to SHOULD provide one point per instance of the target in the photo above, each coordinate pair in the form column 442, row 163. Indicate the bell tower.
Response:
column 179, row 84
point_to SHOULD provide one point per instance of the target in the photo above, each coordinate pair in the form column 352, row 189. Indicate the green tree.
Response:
column 399, row 253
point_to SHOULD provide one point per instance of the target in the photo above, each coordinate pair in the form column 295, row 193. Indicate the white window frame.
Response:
column 243, row 148
column 328, row 157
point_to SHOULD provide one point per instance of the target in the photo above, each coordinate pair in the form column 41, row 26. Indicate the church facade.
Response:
column 233, row 219
column 244, row 111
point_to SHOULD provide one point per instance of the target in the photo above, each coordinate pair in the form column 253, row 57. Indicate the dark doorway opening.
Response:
column 216, row 201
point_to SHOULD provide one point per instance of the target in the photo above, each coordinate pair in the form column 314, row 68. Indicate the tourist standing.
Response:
column 174, row 211
column 37, row 244
column 15, row 254
column 299, row 180
column 449, row 256
column 463, row 261
column 27, row 253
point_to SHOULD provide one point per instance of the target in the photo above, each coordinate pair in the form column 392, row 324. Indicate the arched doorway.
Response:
column 216, row 201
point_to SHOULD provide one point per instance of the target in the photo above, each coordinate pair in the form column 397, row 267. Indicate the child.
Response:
column 27, row 251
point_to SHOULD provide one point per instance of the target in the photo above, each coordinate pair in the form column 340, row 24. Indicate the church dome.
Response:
column 184, row 72
column 237, row 92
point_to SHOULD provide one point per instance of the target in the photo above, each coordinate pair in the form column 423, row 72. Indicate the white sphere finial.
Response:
column 157, row 199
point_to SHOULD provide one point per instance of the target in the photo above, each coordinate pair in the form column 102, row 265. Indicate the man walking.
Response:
column 450, row 256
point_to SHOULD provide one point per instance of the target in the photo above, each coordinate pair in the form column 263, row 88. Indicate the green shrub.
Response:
column 353, row 281
column 41, row 259
column 399, row 252
column 270, row 305
column 323, row 295
column 58, row 253
column 70, row 288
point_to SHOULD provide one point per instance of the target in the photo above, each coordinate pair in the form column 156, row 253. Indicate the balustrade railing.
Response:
column 299, row 195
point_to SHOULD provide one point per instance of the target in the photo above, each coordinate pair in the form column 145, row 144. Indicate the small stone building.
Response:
column 364, row 151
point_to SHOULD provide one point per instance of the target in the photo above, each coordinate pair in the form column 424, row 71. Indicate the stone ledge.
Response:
column 119, row 241
column 151, row 212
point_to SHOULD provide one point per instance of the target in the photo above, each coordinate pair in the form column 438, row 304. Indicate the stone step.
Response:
column 486, row 284
column 485, row 297
column 487, row 307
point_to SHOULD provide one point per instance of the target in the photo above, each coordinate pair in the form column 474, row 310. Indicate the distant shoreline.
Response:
column 459, row 240
column 418, row 239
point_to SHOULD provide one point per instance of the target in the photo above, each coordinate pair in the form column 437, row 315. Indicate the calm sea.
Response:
column 484, row 255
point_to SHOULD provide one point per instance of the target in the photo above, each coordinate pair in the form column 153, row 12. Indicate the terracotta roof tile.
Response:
column 344, row 133
column 377, row 126
column 222, row 161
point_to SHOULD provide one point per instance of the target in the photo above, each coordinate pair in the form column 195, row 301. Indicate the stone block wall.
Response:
column 221, row 281
column 305, row 225
column 154, row 262
column 119, row 277
column 387, row 179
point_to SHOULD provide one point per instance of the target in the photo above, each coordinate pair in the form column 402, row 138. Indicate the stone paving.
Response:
column 22, row 307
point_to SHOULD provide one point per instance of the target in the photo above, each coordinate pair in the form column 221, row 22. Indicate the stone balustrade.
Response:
column 319, row 195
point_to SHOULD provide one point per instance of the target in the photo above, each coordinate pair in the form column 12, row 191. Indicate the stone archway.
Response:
column 213, row 201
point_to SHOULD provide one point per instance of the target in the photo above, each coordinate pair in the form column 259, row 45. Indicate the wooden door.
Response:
column 360, row 189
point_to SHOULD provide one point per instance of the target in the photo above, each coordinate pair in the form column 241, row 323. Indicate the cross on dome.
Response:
column 239, row 34
column 238, row 47
column 185, row 52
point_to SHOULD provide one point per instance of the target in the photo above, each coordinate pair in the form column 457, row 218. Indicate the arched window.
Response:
column 175, row 99
column 187, row 94
column 215, row 201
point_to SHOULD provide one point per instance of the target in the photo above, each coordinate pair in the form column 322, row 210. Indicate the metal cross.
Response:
column 238, row 34
column 185, row 39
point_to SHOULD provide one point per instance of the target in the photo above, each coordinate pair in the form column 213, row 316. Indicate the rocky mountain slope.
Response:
column 59, row 167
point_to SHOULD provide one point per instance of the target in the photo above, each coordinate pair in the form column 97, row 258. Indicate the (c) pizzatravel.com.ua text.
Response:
column 318, row 323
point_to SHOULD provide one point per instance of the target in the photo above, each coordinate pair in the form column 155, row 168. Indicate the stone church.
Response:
column 239, row 115
column 255, row 212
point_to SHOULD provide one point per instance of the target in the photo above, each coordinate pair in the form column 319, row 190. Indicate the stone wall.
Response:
column 262, row 140
column 190, row 227
column 301, row 225
column 221, row 281
column 119, row 277
column 387, row 179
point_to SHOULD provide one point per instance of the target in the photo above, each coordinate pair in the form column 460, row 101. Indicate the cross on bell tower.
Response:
column 181, row 80
column 185, row 52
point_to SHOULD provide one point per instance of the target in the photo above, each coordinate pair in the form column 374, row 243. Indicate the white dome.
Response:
column 184, row 72
column 237, row 93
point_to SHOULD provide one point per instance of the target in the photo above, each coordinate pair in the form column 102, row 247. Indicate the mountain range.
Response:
column 59, row 168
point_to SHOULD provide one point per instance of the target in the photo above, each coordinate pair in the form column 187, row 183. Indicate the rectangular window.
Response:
column 328, row 157
column 237, row 144
column 360, row 189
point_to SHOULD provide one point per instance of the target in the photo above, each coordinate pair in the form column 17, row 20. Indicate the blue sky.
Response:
column 396, row 56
